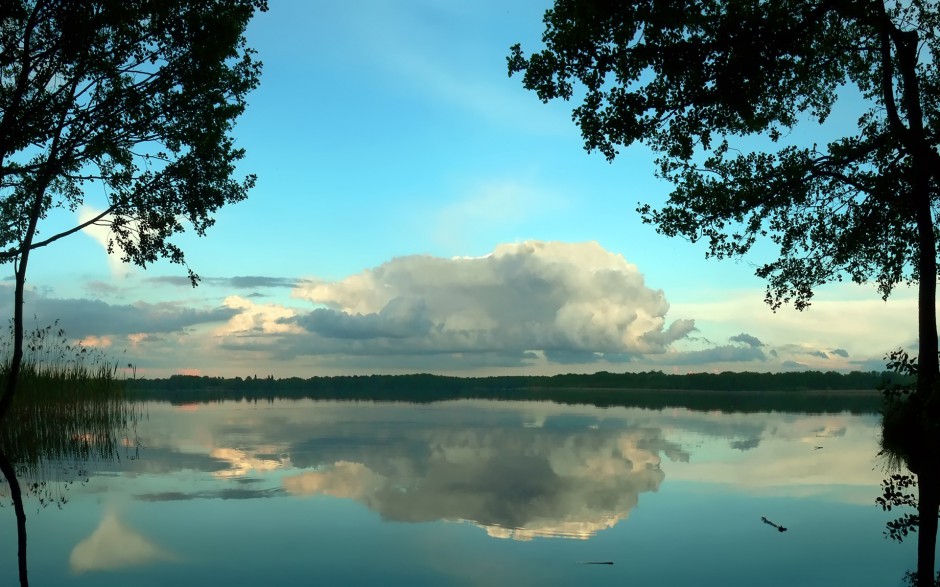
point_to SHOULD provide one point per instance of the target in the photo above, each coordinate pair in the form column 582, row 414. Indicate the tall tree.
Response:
column 690, row 78
column 133, row 99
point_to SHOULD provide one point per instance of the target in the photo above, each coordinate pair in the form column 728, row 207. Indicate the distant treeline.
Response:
column 807, row 391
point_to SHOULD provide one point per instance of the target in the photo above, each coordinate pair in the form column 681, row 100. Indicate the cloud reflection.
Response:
column 112, row 546
column 517, row 484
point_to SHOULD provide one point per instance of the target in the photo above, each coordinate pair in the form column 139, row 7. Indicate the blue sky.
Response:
column 418, row 210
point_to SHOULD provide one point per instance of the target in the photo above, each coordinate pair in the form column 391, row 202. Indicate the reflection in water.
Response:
column 295, row 490
column 241, row 463
column 114, row 546
column 519, row 483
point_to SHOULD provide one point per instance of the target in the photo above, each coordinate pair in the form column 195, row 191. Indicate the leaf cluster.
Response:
column 895, row 494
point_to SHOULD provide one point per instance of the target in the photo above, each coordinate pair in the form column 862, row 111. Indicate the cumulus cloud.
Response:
column 247, row 317
column 559, row 298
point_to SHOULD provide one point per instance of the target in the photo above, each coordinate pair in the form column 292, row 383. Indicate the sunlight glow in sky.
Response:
column 418, row 210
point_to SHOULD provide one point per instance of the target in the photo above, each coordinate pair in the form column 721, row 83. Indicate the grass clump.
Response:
column 70, row 409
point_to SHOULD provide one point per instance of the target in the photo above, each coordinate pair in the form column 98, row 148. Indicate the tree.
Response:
column 135, row 100
column 690, row 78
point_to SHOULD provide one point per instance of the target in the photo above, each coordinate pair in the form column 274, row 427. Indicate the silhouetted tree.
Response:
column 132, row 99
column 688, row 77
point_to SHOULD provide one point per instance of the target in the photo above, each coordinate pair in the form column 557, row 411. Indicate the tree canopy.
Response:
column 688, row 77
column 135, row 100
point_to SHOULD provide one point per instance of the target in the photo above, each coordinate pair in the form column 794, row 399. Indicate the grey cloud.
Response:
column 745, row 444
column 177, row 280
column 818, row 354
column 840, row 353
column 793, row 365
column 721, row 354
column 101, row 288
column 254, row 281
column 400, row 318
column 225, row 493
column 239, row 282
column 83, row 317
column 747, row 339
column 567, row 357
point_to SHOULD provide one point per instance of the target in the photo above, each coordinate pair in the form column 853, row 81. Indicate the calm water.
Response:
column 504, row 493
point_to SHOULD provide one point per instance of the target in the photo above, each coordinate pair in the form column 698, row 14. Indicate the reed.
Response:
column 70, row 410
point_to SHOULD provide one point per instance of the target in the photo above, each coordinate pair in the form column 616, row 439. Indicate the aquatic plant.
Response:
column 71, row 410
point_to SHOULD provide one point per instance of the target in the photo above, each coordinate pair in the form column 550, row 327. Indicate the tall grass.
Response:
column 70, row 409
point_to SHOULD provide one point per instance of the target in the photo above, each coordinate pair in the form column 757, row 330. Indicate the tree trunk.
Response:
column 928, row 505
column 13, row 377
column 16, row 493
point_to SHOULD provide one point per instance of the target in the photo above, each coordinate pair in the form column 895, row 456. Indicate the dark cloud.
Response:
column 840, row 353
column 400, row 318
column 745, row 444
column 255, row 281
column 83, row 317
column 818, row 354
column 721, row 354
column 226, row 493
column 567, row 357
column 747, row 339
column 239, row 282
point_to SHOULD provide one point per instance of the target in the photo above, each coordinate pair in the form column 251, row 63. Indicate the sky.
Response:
column 417, row 210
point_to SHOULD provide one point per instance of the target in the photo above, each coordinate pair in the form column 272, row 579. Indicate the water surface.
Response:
column 471, row 492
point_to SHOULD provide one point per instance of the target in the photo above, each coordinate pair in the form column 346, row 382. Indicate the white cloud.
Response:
column 101, row 234
column 257, row 318
column 556, row 297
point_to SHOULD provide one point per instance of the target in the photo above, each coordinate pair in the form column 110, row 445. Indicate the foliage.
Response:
column 895, row 495
column 689, row 77
column 134, row 100
column 910, row 578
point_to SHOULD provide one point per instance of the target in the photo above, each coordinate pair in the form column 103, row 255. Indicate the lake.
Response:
column 470, row 493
